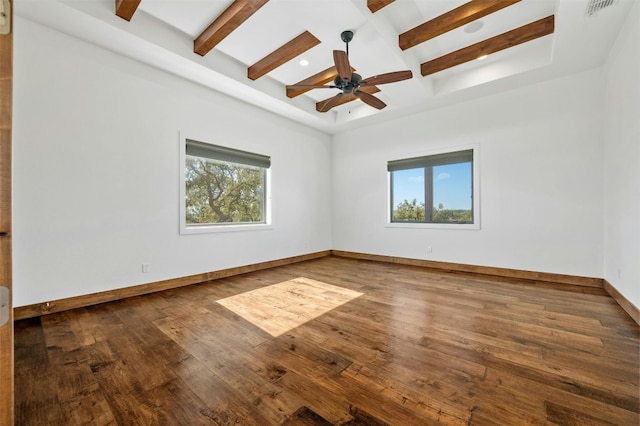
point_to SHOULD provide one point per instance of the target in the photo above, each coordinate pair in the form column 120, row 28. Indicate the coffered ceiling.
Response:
column 253, row 49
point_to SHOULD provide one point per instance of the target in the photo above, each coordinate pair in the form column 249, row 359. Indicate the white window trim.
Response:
column 476, row 190
column 222, row 227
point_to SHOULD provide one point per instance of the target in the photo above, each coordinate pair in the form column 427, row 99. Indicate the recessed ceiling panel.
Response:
column 579, row 42
column 189, row 16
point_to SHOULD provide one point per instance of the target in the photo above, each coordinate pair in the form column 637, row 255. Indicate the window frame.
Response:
column 475, row 178
column 186, row 229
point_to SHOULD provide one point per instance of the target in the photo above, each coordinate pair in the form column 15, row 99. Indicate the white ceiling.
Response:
column 161, row 34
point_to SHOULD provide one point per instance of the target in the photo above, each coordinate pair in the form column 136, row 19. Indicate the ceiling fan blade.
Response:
column 309, row 86
column 330, row 103
column 343, row 100
column 341, row 60
column 390, row 77
column 370, row 99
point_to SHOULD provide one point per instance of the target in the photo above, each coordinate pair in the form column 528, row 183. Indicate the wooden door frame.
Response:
column 6, row 330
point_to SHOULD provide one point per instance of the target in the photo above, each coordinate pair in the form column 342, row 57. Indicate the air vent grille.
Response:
column 595, row 6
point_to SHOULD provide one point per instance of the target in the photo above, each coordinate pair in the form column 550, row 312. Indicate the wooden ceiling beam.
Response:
column 323, row 77
column 376, row 5
column 455, row 18
column 126, row 8
column 503, row 41
column 282, row 55
column 228, row 21
column 348, row 98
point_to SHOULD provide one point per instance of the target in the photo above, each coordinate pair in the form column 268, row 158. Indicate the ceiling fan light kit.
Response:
column 350, row 83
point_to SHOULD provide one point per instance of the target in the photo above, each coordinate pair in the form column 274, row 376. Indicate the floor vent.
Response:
column 595, row 6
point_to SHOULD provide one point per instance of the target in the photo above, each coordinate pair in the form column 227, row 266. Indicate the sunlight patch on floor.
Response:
column 281, row 307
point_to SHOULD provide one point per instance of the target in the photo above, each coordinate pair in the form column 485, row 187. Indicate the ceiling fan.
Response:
column 352, row 84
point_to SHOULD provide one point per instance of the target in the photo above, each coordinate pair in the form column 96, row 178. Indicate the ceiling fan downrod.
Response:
column 347, row 36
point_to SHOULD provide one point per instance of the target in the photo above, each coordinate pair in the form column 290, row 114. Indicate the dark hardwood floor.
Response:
column 417, row 348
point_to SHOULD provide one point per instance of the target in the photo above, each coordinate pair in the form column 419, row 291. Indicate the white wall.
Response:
column 96, row 172
column 622, row 162
column 540, row 180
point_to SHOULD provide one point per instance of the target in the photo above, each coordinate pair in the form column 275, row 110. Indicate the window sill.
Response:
column 467, row 226
column 211, row 229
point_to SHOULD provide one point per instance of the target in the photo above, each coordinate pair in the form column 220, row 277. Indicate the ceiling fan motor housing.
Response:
column 348, row 86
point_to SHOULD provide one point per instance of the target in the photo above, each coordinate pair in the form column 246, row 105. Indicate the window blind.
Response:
column 431, row 160
column 221, row 153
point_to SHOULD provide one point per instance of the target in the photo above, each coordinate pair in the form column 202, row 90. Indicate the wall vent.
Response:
column 595, row 6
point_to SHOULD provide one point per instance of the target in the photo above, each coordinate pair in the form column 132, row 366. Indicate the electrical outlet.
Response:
column 429, row 250
column 619, row 273
column 146, row 268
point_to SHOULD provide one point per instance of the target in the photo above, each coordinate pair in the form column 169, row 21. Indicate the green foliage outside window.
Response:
column 223, row 192
column 409, row 211
column 415, row 212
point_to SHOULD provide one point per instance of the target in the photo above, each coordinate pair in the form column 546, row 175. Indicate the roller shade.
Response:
column 221, row 153
column 431, row 160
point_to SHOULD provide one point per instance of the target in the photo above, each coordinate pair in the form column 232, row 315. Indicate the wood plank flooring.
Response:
column 279, row 308
column 416, row 348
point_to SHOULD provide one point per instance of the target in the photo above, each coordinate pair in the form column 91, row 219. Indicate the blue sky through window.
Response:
column 451, row 183
column 407, row 185
column 452, row 186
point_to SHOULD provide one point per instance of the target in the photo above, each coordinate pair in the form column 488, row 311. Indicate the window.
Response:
column 434, row 189
column 222, row 186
